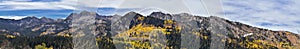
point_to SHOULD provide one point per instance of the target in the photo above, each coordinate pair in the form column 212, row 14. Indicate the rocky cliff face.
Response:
column 158, row 30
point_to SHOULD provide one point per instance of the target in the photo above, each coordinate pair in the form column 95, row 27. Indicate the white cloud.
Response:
column 107, row 3
column 281, row 14
column 13, row 17
column 170, row 6
column 16, row 5
column 196, row 7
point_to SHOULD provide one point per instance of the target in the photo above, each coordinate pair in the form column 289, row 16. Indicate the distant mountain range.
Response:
column 157, row 30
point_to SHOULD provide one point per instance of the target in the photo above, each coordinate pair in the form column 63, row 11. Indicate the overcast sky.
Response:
column 270, row 14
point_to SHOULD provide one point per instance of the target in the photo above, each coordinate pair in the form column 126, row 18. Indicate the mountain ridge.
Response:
column 180, row 29
column 73, row 14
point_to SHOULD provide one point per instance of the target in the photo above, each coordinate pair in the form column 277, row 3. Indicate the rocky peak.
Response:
column 29, row 18
column 86, row 14
column 71, row 16
column 157, row 13
column 161, row 15
column 81, row 14
column 44, row 19
column 129, row 16
column 131, row 13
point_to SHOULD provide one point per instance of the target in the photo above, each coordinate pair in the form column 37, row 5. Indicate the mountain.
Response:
column 133, row 30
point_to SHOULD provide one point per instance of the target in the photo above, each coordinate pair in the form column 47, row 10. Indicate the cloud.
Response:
column 33, row 4
column 196, row 7
column 13, row 17
column 172, row 6
column 270, row 14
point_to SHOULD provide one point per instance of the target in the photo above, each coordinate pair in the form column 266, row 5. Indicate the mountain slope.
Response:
column 211, row 32
column 133, row 30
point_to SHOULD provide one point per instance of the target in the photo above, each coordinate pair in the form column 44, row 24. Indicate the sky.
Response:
column 270, row 14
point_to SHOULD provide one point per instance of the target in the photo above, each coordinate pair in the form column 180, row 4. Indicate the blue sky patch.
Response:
column 38, row 13
column 45, row 0
column 106, row 10
column 32, row 0
column 297, row 22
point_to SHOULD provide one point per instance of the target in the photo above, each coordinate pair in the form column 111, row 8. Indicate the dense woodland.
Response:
column 56, row 42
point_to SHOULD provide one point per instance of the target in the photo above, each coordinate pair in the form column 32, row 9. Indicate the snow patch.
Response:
column 247, row 34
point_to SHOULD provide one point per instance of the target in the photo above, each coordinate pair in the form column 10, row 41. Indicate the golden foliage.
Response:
column 258, row 41
column 164, row 31
column 10, row 36
column 169, row 22
column 64, row 34
column 98, row 39
column 140, row 44
column 178, row 28
column 43, row 33
column 200, row 35
column 284, row 44
column 139, row 29
column 141, row 32
column 43, row 46
column 205, row 37
column 141, row 18
column 256, row 44
column 253, row 45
